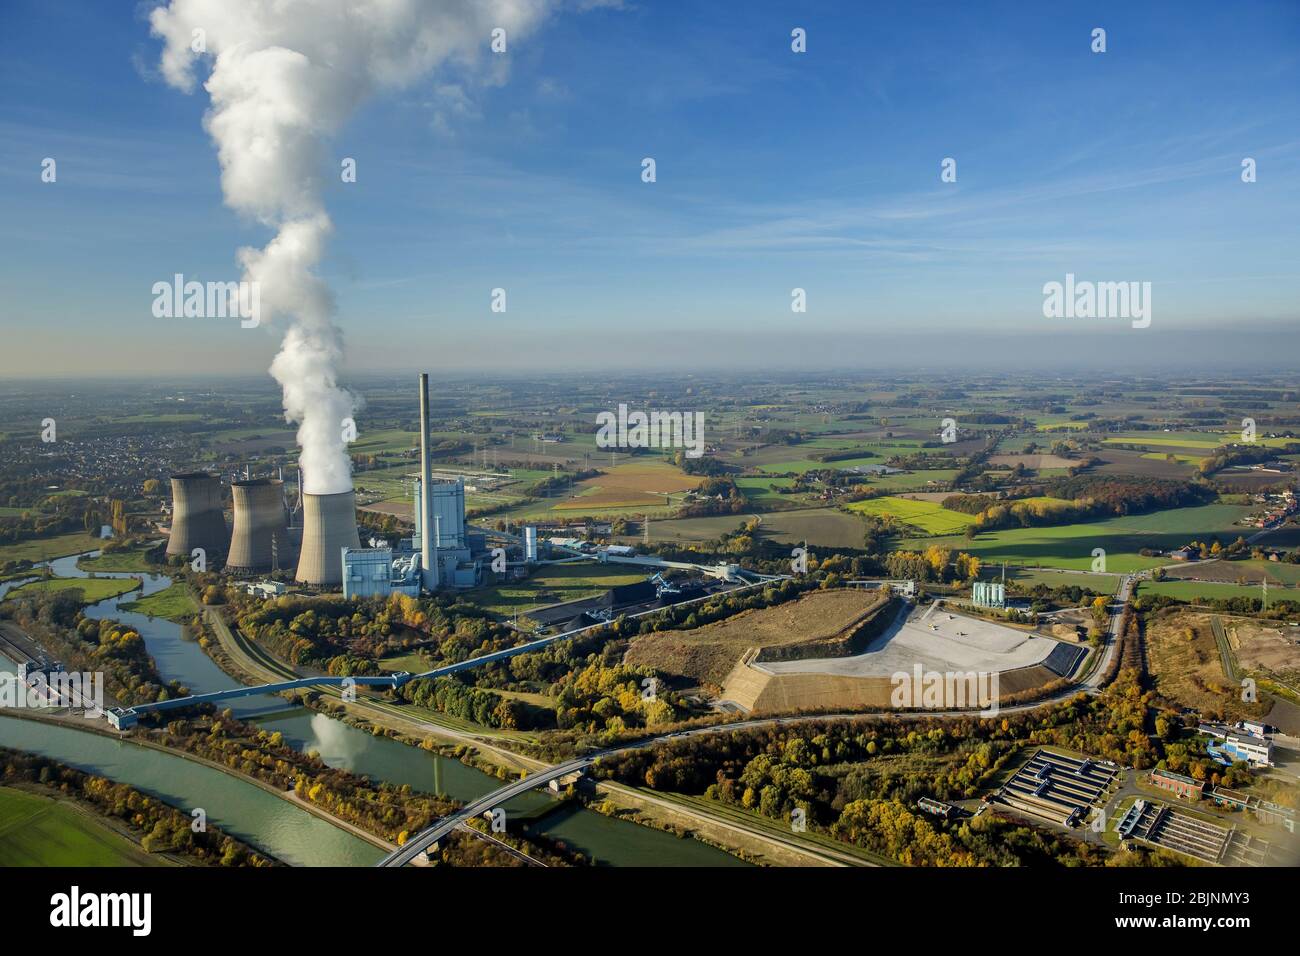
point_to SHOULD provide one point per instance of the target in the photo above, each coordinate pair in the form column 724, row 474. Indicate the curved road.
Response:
column 426, row 838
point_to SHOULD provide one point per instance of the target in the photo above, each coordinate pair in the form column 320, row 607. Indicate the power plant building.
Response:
column 197, row 519
column 260, row 540
column 329, row 524
column 375, row 572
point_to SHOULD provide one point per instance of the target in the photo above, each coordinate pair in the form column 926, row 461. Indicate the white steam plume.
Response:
column 285, row 76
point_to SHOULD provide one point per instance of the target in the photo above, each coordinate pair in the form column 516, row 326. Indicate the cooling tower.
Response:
column 260, row 540
column 197, row 521
column 329, row 524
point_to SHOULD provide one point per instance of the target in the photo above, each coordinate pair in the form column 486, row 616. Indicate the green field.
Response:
column 172, row 602
column 92, row 589
column 929, row 516
column 39, row 831
column 1213, row 590
column 1207, row 440
column 1070, row 546
column 42, row 549
column 758, row 490
column 132, row 559
column 800, row 465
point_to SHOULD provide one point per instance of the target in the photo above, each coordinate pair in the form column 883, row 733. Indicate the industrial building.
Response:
column 260, row 538
column 441, row 553
column 989, row 594
column 329, row 525
column 1253, row 750
column 197, row 518
column 1177, row 784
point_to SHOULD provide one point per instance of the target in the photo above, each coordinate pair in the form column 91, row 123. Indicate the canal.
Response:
column 604, row 840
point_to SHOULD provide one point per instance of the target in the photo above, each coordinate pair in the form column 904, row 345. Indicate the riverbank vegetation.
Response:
column 157, row 826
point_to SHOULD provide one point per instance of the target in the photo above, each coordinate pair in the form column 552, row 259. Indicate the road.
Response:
column 426, row 838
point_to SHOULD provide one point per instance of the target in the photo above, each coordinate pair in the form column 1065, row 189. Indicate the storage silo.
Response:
column 197, row 520
column 260, row 541
column 329, row 524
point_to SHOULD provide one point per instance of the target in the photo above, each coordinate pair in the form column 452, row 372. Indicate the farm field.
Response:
column 631, row 485
column 822, row 527
column 1071, row 546
column 912, row 481
column 92, row 589
column 1231, row 572
column 1213, row 591
column 36, row 830
column 929, row 516
column 695, row 530
column 1204, row 440
column 799, row 466
column 758, row 490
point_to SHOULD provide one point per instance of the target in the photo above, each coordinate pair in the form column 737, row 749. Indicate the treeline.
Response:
column 1230, row 455
column 448, row 695
column 161, row 828
column 387, row 810
column 1125, row 494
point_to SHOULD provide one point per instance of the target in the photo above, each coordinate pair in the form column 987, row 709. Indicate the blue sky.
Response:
column 775, row 170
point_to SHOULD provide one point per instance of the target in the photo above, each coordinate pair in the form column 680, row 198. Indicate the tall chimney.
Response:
column 197, row 521
column 329, row 524
column 428, row 545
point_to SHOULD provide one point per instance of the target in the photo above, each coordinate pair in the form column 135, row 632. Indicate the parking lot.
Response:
column 1060, row 789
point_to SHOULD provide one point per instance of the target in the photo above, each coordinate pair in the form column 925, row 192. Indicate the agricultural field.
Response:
column 1192, row 591
column 1071, row 546
column 1249, row 571
column 634, row 484
column 759, row 491
column 36, row 830
column 928, row 516
column 819, row 527
column 799, row 466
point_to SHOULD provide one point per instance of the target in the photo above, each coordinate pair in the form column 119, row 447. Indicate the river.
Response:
column 290, row 833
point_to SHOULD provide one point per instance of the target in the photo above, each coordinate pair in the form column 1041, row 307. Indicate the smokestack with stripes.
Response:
column 197, row 521
column 329, row 524
column 428, row 531
column 260, row 540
